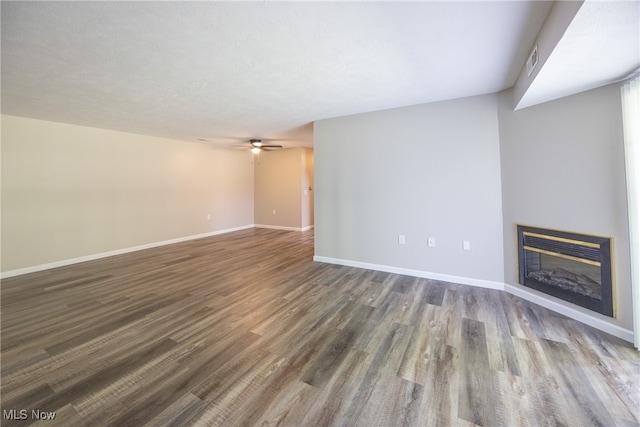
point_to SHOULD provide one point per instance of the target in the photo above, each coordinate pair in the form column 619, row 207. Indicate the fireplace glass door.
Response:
column 573, row 267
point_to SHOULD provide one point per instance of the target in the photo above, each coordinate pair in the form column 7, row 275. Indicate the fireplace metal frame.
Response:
column 594, row 250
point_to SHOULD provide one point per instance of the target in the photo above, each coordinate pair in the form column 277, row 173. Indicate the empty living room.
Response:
column 320, row 213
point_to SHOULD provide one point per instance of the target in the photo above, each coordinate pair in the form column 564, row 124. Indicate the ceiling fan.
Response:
column 257, row 145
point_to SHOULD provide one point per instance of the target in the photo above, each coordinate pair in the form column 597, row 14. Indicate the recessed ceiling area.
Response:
column 229, row 71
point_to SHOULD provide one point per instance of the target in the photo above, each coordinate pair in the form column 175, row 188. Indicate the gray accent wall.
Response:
column 563, row 168
column 471, row 169
column 430, row 170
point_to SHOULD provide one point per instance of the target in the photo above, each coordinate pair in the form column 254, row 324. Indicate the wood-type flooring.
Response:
column 244, row 329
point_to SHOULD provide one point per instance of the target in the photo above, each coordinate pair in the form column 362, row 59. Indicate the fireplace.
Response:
column 570, row 266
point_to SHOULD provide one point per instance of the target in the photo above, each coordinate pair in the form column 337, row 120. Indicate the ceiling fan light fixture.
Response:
column 257, row 145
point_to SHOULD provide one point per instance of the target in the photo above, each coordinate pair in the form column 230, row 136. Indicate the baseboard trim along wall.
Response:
column 572, row 313
column 281, row 227
column 415, row 273
column 531, row 296
column 92, row 257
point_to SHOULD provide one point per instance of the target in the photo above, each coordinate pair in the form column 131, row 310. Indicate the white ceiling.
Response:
column 229, row 71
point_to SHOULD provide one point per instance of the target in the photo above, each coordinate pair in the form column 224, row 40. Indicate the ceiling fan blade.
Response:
column 270, row 146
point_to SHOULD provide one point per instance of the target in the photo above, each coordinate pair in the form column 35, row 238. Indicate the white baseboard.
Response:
column 92, row 257
column 280, row 227
column 415, row 273
column 573, row 313
column 531, row 296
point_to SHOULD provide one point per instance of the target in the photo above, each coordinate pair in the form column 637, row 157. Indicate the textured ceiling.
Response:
column 226, row 71
column 229, row 71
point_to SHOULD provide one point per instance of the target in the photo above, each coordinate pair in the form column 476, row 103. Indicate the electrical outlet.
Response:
column 466, row 245
column 274, row 211
column 208, row 217
column 431, row 242
column 401, row 239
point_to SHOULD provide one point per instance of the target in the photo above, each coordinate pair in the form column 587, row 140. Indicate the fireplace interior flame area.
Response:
column 570, row 266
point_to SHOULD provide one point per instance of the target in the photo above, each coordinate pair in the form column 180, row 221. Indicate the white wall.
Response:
column 71, row 191
column 426, row 170
column 281, row 176
column 563, row 168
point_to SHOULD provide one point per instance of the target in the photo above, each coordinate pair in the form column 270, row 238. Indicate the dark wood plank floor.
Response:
column 245, row 329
